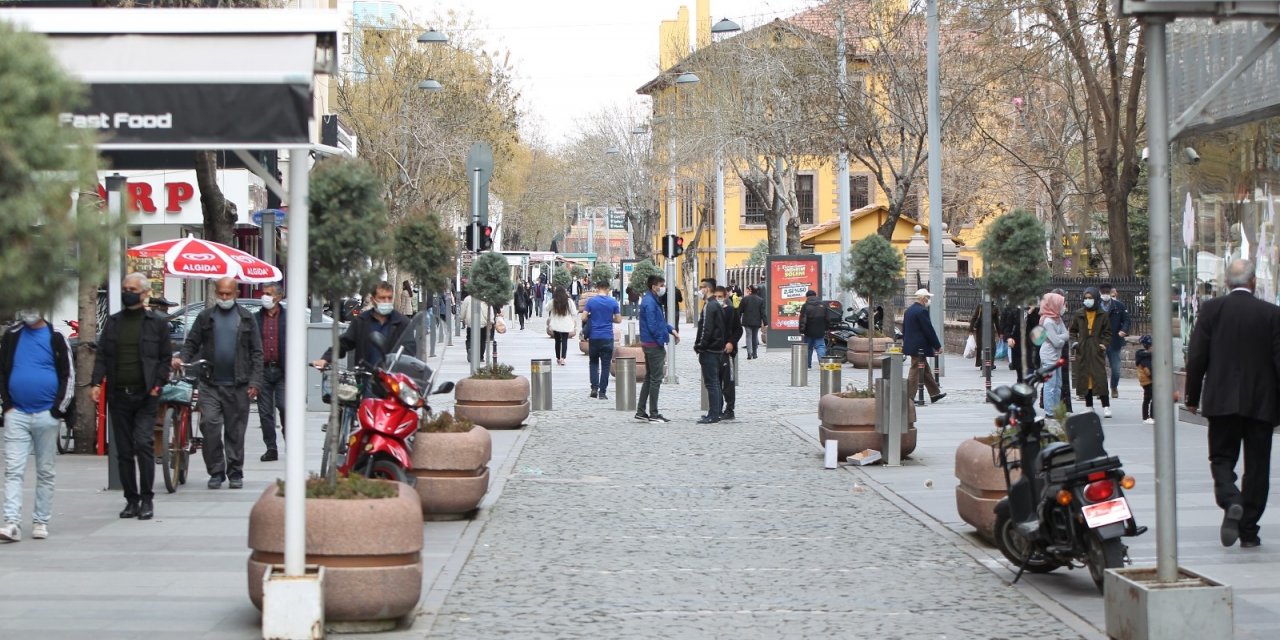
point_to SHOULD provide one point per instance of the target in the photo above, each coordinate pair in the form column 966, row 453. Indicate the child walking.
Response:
column 1142, row 360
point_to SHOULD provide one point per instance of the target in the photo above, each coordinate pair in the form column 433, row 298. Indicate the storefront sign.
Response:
column 789, row 279
column 173, row 197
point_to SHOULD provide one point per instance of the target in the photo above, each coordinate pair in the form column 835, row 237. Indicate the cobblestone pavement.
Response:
column 611, row 528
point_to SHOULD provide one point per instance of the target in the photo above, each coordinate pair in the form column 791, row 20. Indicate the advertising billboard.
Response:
column 789, row 279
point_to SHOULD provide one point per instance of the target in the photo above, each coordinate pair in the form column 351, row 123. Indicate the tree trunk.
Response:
column 219, row 213
column 642, row 225
column 1118, row 227
column 86, row 422
column 331, row 436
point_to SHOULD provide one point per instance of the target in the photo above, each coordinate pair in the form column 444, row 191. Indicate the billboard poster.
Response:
column 789, row 278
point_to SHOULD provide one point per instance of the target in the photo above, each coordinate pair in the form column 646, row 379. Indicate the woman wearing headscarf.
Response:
column 1055, row 331
column 1091, row 331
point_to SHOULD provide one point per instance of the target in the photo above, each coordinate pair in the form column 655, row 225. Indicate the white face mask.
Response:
column 385, row 308
column 662, row 291
column 29, row 317
column 268, row 303
column 1088, row 303
column 1106, row 297
column 226, row 305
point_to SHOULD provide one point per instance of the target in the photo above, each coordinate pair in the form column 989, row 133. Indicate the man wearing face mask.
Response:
column 271, row 331
column 226, row 337
column 654, row 331
column 710, row 345
column 133, row 358
column 382, row 318
column 37, row 383
column 1118, row 314
column 728, row 368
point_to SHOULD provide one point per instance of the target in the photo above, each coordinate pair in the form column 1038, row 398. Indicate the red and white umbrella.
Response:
column 191, row 257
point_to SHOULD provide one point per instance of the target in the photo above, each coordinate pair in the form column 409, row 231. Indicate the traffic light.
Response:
column 672, row 246
column 486, row 238
column 479, row 238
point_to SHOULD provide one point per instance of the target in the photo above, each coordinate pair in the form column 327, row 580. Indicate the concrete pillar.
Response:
column 949, row 252
column 917, row 254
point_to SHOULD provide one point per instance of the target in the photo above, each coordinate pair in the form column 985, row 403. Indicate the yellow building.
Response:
column 745, row 214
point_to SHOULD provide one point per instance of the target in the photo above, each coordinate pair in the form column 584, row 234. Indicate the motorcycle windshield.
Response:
column 403, row 356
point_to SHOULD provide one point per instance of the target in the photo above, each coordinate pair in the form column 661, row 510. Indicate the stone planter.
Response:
column 452, row 471
column 629, row 352
column 981, row 485
column 858, row 348
column 371, row 551
column 492, row 404
column 851, row 422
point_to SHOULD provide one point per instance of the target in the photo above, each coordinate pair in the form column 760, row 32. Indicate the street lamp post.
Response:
column 684, row 78
column 724, row 26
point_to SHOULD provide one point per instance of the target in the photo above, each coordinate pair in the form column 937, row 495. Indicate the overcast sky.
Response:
column 574, row 57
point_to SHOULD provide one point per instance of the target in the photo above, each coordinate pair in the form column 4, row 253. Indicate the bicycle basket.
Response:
column 348, row 388
column 176, row 393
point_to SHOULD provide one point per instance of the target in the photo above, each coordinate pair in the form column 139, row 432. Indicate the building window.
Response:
column 755, row 203
column 804, row 198
column 686, row 206
column 859, row 192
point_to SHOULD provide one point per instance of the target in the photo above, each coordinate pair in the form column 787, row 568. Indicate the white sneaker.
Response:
column 10, row 532
column 1106, row 412
column 1149, row 421
column 39, row 531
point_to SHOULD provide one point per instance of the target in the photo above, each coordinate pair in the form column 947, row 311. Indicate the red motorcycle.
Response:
column 388, row 417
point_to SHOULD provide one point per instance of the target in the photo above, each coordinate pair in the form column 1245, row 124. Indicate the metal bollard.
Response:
column 986, row 368
column 829, row 374
column 630, row 338
column 937, row 367
column 799, row 365
column 624, row 393
column 451, row 330
column 540, row 384
column 894, row 409
column 920, row 369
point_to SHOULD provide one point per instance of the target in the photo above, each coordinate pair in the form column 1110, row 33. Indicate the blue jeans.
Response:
column 601, row 354
column 26, row 434
column 711, row 363
column 1113, row 362
column 816, row 344
column 1053, row 393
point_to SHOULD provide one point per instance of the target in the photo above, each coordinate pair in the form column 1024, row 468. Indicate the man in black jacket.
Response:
column 37, row 383
column 751, row 308
column 713, row 336
column 271, row 331
column 1234, row 359
column 133, row 357
column 382, row 318
column 728, row 371
column 813, row 325
column 226, row 337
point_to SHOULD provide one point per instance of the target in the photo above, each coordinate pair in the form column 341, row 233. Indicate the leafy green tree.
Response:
column 1013, row 254
column 758, row 254
column 491, row 279
column 874, row 267
column 640, row 275
column 602, row 271
column 561, row 277
column 346, row 206
column 426, row 249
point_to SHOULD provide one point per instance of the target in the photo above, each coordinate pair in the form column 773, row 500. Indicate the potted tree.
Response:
column 849, row 418
column 1013, row 252
column 451, row 461
column 346, row 202
column 874, row 267
column 493, row 397
column 370, row 581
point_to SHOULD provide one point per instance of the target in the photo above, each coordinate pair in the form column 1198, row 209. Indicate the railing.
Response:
column 965, row 294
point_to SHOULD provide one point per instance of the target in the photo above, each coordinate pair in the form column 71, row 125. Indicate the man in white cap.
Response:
column 920, row 341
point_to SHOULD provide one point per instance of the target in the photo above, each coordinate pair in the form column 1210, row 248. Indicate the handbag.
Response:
column 500, row 325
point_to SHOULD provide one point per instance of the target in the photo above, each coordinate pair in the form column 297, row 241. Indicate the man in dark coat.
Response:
column 382, row 318
column 752, row 310
column 271, row 322
column 921, row 342
column 728, row 379
column 813, row 325
column 1233, row 372
column 1118, row 315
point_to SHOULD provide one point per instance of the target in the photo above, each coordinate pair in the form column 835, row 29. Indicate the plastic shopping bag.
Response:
column 970, row 347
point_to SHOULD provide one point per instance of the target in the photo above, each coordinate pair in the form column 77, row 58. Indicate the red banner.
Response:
column 789, row 280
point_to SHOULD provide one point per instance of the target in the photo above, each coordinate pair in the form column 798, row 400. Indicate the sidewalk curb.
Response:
column 983, row 556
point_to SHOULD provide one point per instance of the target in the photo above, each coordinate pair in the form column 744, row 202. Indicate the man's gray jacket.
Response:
column 199, row 346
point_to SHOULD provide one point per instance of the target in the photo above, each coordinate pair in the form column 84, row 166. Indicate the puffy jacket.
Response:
column 813, row 318
column 752, row 310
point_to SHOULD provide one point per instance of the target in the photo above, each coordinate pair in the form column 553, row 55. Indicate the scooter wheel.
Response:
column 1102, row 555
column 1016, row 549
column 388, row 470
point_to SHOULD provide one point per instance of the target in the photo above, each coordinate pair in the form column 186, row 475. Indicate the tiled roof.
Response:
column 873, row 209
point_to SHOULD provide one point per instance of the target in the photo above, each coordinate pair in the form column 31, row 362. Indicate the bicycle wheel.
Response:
column 67, row 436
column 167, row 457
column 182, row 439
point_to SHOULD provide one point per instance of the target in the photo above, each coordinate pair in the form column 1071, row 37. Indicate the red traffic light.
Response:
column 679, row 246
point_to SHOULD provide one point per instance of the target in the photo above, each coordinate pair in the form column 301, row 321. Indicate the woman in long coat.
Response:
column 1091, row 331
column 523, row 304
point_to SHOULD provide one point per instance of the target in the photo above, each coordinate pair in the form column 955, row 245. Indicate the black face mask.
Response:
column 130, row 298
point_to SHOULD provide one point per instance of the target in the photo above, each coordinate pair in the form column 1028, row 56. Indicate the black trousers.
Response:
column 1065, row 390
column 1227, row 436
column 728, row 383
column 1146, row 402
column 133, row 423
column 562, row 343
column 711, row 363
column 484, row 343
column 271, row 403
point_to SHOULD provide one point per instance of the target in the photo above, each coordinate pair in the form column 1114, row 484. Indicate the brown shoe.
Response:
column 1115, row 393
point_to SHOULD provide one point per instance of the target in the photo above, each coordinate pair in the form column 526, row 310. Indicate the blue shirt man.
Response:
column 654, row 330
column 600, row 314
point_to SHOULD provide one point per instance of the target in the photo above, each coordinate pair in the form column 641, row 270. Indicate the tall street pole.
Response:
column 474, row 347
column 1161, row 298
column 937, row 277
column 671, row 378
column 721, row 268
column 295, row 392
column 842, row 158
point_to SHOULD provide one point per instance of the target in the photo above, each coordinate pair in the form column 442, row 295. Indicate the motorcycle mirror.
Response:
column 1039, row 336
column 445, row 387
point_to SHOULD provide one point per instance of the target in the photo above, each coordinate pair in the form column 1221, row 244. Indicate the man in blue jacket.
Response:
column 654, row 331
column 1119, row 316
column 921, row 342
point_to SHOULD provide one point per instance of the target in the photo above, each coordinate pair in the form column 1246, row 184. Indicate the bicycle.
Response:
column 179, row 399
column 350, row 382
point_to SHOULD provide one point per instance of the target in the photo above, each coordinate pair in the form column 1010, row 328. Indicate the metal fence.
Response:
column 965, row 294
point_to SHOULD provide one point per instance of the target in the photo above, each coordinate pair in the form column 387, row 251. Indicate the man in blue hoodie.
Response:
column 654, row 331
column 1118, row 314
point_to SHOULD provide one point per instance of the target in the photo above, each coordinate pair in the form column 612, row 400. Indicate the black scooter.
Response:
column 1068, row 507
